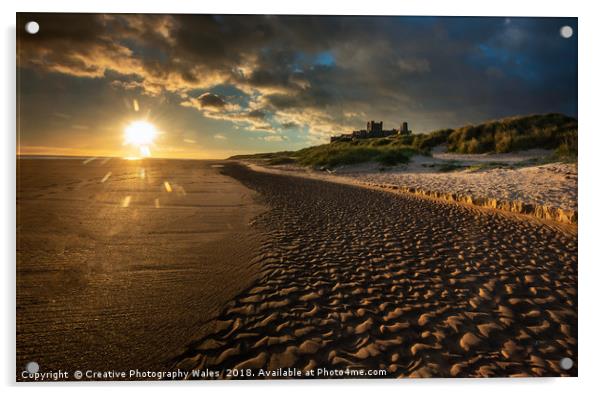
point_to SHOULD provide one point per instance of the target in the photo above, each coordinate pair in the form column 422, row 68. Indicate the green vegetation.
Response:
column 347, row 153
column 387, row 153
column 549, row 131
column 428, row 141
column 448, row 167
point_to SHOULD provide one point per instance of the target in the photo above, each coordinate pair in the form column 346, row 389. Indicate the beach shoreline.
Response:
column 121, row 263
column 487, row 188
column 310, row 274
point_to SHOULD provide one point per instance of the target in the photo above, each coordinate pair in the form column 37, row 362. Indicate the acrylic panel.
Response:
column 306, row 197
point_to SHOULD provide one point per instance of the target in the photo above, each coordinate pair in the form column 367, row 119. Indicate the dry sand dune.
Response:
column 492, row 176
column 553, row 184
column 366, row 279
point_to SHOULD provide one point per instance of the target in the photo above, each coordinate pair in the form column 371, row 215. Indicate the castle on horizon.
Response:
column 373, row 129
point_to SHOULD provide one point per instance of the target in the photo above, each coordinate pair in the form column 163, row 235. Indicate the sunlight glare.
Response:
column 106, row 177
column 140, row 134
column 126, row 201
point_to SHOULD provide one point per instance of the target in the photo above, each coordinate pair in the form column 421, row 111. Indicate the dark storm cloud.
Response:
column 257, row 114
column 210, row 100
column 289, row 125
column 215, row 107
column 322, row 73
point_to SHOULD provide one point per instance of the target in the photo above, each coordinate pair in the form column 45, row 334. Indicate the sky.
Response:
column 213, row 86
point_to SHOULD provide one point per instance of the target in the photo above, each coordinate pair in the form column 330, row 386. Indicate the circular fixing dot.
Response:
column 32, row 367
column 32, row 27
column 566, row 31
column 566, row 363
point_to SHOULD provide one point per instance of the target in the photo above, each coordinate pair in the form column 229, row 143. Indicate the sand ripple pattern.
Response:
column 366, row 279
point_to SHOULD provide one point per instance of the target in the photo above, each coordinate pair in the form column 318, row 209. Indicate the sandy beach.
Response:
column 365, row 279
column 120, row 263
column 503, row 181
column 168, row 264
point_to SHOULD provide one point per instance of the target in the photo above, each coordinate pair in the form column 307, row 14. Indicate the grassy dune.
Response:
column 549, row 131
column 386, row 151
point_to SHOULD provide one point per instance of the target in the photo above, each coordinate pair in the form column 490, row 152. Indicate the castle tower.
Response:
column 403, row 128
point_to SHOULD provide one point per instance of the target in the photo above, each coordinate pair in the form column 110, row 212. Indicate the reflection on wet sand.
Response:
column 116, row 272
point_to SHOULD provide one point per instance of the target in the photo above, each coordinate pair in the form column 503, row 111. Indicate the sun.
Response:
column 140, row 134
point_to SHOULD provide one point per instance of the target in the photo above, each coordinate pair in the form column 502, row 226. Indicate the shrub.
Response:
column 569, row 147
column 392, row 157
column 503, row 142
column 431, row 140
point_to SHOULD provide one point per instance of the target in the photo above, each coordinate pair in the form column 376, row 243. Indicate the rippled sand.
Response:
column 360, row 278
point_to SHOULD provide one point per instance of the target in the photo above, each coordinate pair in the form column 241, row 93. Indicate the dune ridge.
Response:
column 547, row 192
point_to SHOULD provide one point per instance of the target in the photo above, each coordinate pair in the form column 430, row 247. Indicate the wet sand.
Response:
column 365, row 279
column 121, row 263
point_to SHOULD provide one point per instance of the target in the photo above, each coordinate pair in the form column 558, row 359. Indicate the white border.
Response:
column 590, row 126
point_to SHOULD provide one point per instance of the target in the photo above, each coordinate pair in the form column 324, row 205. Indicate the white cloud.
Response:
column 275, row 137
